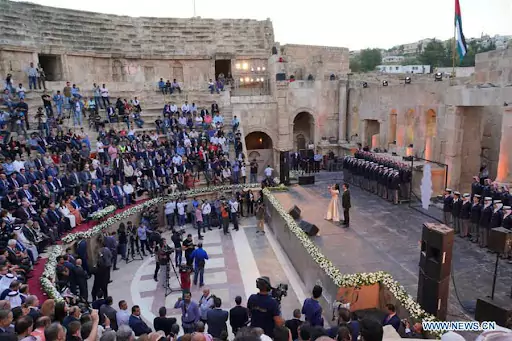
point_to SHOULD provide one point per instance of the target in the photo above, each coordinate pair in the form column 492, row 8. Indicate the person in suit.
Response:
column 485, row 221
column 138, row 325
column 81, row 279
column 294, row 324
column 238, row 316
column 216, row 318
column 345, row 204
column 391, row 319
column 164, row 323
column 81, row 250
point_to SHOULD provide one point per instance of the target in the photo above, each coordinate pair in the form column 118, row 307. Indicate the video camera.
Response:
column 263, row 283
column 185, row 268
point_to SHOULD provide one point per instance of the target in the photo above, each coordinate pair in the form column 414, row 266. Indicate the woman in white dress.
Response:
column 333, row 212
column 64, row 210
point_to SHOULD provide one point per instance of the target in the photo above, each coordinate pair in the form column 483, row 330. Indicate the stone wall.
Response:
column 494, row 67
column 319, row 61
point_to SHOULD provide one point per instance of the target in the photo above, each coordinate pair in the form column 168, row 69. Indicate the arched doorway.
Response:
column 409, row 127
column 303, row 131
column 260, row 148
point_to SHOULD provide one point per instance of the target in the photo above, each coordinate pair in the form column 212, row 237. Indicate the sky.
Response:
column 355, row 24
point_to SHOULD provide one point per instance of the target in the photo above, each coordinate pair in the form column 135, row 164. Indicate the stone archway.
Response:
column 409, row 127
column 303, row 130
column 260, row 148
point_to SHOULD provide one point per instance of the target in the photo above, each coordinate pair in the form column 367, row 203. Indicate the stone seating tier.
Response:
column 58, row 29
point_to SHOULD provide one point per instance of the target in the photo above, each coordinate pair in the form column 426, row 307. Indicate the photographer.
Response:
column 263, row 309
column 414, row 332
column 162, row 253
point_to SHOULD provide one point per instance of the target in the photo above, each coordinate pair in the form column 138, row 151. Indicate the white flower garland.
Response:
column 103, row 212
column 351, row 280
column 50, row 274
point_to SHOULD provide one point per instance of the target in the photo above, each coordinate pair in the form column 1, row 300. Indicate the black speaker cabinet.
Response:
column 433, row 295
column 310, row 229
column 295, row 212
column 284, row 168
column 306, row 180
column 280, row 76
column 492, row 310
column 500, row 240
column 436, row 251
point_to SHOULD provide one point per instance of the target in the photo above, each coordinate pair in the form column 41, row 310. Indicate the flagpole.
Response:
column 454, row 40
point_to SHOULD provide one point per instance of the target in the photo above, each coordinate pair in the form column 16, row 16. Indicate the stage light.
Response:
column 365, row 85
column 384, row 83
column 241, row 80
column 247, row 79
column 262, row 79
column 245, row 66
column 259, row 69
column 438, row 77
column 263, row 69
column 252, row 80
column 237, row 66
column 260, row 140
column 408, row 80
column 252, row 69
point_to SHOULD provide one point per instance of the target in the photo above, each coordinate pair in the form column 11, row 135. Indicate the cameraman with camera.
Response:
column 263, row 308
column 162, row 255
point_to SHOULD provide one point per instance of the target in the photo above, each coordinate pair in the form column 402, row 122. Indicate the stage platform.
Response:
column 386, row 237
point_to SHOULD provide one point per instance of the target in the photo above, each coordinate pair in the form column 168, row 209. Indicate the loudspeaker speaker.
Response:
column 436, row 250
column 433, row 295
column 310, row 229
column 284, row 168
column 492, row 310
column 280, row 76
column 295, row 212
column 500, row 240
column 306, row 180
column 435, row 267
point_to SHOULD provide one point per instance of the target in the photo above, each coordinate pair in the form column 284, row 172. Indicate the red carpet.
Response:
column 35, row 283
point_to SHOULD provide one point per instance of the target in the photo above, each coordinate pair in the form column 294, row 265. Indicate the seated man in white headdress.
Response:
column 14, row 296
column 21, row 238
column 6, row 278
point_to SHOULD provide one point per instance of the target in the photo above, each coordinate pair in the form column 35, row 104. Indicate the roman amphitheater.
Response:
column 462, row 123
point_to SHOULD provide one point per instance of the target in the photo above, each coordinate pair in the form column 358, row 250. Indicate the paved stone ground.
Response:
column 383, row 236
column 235, row 263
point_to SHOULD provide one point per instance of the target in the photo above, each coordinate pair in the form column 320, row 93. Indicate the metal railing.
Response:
column 253, row 87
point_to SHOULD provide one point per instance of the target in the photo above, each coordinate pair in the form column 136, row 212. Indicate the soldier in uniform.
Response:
column 497, row 217
column 447, row 207
column 395, row 187
column 346, row 170
column 507, row 218
column 456, row 207
column 476, row 211
column 465, row 214
column 389, row 180
column 485, row 221
column 373, row 177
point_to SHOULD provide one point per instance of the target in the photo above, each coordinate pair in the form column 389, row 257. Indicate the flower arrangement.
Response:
column 50, row 273
column 103, row 212
column 351, row 280
column 279, row 188
column 294, row 174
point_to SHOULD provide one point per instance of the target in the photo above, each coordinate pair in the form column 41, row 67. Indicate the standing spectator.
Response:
column 312, row 308
column 199, row 222
column 225, row 217
column 217, row 318
column 189, row 312
column 41, row 77
column 58, row 99
column 205, row 304
column 142, row 232
column 238, row 316
column 97, row 95
column 102, row 275
column 268, row 173
column 32, row 76
column 138, row 326
column 105, row 96
column 294, row 324
column 108, row 311
column 206, row 211
column 260, row 216
column 81, row 279
column 254, row 172
column 234, row 206
column 199, row 256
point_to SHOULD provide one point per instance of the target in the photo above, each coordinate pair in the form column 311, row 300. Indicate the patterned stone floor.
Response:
column 235, row 263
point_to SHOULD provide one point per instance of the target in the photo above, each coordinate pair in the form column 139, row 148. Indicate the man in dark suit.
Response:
column 294, row 324
column 238, row 316
column 345, row 204
column 216, row 319
column 135, row 322
column 162, row 322
column 391, row 319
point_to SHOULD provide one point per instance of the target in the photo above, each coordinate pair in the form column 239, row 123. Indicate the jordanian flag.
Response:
column 461, row 41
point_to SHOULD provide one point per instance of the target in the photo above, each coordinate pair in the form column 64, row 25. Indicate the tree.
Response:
column 435, row 54
column 355, row 64
column 369, row 59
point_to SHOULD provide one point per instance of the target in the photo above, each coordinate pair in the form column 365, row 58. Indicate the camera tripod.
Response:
column 129, row 251
column 167, row 285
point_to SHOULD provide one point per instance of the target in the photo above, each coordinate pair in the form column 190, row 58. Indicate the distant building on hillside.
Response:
column 393, row 59
column 404, row 68
column 459, row 71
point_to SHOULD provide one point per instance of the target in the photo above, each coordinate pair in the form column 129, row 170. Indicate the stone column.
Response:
column 454, row 133
column 505, row 157
column 400, row 131
column 342, row 112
